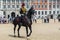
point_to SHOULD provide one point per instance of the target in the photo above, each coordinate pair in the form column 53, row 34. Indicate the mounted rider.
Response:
column 23, row 10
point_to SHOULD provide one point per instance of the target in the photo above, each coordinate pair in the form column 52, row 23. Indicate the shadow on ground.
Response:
column 20, row 37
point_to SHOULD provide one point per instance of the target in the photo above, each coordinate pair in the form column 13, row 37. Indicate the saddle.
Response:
column 25, row 19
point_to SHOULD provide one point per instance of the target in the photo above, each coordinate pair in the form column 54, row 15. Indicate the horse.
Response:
column 27, row 22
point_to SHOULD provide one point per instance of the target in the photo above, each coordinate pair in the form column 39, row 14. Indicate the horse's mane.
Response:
column 29, row 14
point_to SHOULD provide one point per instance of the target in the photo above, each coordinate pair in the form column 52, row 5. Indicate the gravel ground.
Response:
column 41, row 31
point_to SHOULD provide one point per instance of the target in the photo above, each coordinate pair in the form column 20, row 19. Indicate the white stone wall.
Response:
column 17, row 12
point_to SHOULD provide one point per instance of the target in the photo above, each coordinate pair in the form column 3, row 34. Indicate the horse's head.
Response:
column 30, row 12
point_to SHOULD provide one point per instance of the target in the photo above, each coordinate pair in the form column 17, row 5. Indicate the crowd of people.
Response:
column 3, row 19
column 23, row 12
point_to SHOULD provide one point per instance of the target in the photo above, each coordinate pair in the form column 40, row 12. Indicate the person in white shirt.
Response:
column 34, row 18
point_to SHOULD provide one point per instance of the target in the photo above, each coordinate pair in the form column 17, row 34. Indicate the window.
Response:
column 49, row 6
column 8, row 0
column 42, row 13
column 39, row 1
column 45, row 0
column 4, row 13
column 49, row 12
column 39, row 17
column 54, row 0
column 13, row 0
column 38, row 5
column 38, row 12
column 4, row 6
column 45, row 6
column 8, row 16
column 45, row 12
column 17, row 6
column 57, row 12
column 17, row 0
column 4, row 0
column 8, row 6
column 53, row 12
column 27, row 0
column 42, row 6
column 42, row 0
column 58, row 0
column 33, row 0
column 50, row 0
column 27, row 5
column 13, row 6
column 23, row 0
column 57, row 6
column 53, row 6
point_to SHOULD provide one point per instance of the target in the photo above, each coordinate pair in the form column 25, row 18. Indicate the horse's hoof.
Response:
column 18, row 36
column 28, row 35
column 14, row 35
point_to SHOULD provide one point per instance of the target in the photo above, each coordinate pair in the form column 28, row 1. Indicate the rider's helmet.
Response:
column 23, row 4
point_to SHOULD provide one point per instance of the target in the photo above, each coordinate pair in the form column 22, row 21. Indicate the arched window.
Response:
column 42, row 13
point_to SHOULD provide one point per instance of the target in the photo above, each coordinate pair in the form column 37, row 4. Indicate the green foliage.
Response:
column 59, row 15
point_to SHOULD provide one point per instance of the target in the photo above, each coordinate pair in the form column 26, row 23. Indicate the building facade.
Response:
column 43, row 7
column 47, row 7
column 9, row 6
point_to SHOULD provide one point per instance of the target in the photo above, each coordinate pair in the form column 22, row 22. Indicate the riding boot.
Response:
column 21, row 18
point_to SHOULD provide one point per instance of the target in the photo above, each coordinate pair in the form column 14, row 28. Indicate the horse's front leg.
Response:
column 14, row 29
column 18, row 30
column 30, row 30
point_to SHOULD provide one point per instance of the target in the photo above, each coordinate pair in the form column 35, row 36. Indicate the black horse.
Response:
column 26, row 22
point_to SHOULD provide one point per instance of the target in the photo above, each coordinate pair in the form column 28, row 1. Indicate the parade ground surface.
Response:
column 40, row 31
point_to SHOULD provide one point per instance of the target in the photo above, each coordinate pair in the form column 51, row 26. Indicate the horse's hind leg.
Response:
column 14, row 29
column 27, row 31
column 30, row 30
column 18, row 30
